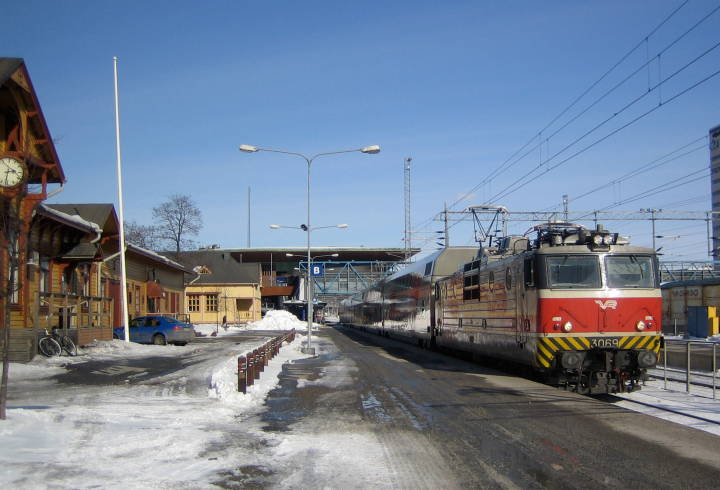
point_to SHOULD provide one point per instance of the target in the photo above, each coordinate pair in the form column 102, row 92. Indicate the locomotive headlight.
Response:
column 567, row 327
column 607, row 239
column 646, row 358
column 557, row 240
column 640, row 326
column 597, row 239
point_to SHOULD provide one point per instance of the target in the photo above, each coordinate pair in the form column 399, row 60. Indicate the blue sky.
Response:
column 457, row 86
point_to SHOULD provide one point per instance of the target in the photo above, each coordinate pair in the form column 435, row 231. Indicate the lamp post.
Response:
column 367, row 149
column 308, row 280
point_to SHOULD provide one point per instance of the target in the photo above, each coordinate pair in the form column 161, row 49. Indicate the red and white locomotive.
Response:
column 581, row 306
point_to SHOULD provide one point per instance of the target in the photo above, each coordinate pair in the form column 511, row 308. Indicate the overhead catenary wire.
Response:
column 529, row 177
column 644, row 168
column 519, row 184
column 498, row 170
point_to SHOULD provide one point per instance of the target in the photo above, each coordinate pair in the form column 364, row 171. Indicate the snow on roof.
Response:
column 71, row 219
column 158, row 257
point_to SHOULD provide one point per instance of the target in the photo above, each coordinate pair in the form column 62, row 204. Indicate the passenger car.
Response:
column 158, row 330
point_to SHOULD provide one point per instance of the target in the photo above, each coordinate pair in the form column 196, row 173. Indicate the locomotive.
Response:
column 581, row 307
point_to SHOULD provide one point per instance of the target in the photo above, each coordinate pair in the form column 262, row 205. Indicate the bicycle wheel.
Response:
column 49, row 347
column 67, row 345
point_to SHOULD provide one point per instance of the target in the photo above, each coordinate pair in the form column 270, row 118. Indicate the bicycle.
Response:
column 54, row 343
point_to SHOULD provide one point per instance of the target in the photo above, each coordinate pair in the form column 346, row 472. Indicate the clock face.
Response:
column 12, row 172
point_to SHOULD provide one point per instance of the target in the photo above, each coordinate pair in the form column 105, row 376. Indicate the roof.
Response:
column 129, row 247
column 69, row 219
column 8, row 66
column 101, row 213
column 345, row 254
column 223, row 267
column 47, row 169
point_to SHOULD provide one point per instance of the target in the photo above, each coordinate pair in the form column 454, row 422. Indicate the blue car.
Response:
column 158, row 330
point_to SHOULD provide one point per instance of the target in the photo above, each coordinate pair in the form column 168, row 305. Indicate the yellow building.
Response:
column 223, row 289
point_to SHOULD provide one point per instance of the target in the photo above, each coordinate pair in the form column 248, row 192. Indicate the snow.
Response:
column 697, row 404
column 187, row 429
column 273, row 320
column 133, row 436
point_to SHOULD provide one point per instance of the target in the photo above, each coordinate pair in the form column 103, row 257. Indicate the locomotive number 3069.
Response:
column 604, row 342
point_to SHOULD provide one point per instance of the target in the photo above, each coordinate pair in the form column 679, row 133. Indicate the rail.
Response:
column 689, row 373
column 253, row 363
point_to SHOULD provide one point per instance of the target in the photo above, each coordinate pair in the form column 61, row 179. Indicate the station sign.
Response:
column 317, row 270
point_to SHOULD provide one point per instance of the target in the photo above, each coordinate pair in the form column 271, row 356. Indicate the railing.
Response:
column 698, row 367
column 688, row 271
column 253, row 363
column 73, row 310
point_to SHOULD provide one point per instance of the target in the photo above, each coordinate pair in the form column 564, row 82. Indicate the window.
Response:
column 211, row 302
column 194, row 303
column 629, row 272
column 573, row 271
column 15, row 292
column 470, row 286
column 44, row 285
column 529, row 273
column 428, row 268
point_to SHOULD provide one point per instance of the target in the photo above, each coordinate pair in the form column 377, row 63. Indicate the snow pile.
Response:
column 277, row 320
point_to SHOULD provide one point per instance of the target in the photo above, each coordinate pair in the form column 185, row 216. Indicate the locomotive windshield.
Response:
column 629, row 271
column 573, row 271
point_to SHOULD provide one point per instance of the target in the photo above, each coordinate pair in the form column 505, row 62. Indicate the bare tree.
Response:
column 10, row 227
column 145, row 236
column 176, row 219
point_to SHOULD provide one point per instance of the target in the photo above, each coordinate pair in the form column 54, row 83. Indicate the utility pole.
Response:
column 447, row 228
column 565, row 207
column 408, row 232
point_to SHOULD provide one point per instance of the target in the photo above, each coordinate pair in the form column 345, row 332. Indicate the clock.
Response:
column 12, row 172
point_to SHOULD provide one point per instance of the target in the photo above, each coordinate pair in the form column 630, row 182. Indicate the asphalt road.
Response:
column 443, row 422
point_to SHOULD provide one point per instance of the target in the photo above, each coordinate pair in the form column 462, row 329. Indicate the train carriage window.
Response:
column 508, row 279
column 428, row 268
column 491, row 280
column 573, row 271
column 630, row 271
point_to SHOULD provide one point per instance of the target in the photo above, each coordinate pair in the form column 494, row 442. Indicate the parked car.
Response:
column 158, row 330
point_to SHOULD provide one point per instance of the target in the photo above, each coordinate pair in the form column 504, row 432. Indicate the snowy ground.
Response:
column 154, row 435
column 192, row 429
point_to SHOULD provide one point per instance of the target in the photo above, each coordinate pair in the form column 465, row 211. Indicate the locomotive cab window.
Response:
column 529, row 272
column 573, row 271
column 630, row 271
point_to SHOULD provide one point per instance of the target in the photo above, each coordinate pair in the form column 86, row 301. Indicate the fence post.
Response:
column 687, row 378
column 242, row 374
column 258, row 363
column 665, row 362
column 714, row 367
column 251, row 369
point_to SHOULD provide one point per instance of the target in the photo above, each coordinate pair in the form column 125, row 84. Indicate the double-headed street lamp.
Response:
column 367, row 149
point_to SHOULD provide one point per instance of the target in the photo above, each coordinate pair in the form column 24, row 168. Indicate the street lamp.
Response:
column 371, row 150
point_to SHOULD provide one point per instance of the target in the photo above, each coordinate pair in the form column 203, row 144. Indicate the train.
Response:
column 581, row 307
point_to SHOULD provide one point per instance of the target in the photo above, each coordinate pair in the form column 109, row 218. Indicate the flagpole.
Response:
column 123, row 277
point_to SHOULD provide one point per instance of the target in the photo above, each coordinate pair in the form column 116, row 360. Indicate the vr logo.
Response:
column 611, row 303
